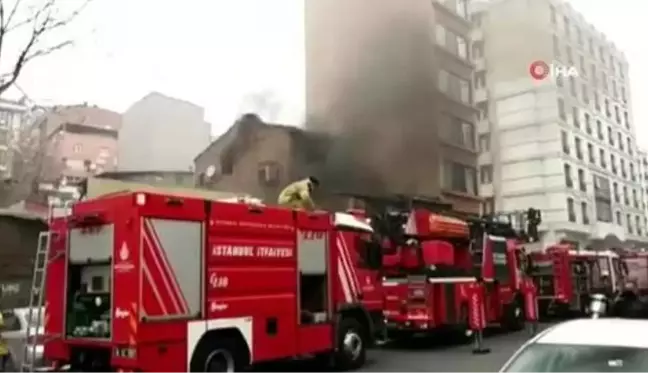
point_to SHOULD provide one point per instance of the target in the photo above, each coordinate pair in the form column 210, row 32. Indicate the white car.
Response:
column 585, row 345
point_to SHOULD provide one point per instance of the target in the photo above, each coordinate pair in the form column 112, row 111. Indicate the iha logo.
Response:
column 541, row 70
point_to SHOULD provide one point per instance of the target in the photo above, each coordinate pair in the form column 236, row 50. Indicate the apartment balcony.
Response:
column 477, row 34
column 480, row 64
column 481, row 94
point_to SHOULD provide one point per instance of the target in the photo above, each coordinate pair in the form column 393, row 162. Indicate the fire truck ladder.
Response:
column 36, row 312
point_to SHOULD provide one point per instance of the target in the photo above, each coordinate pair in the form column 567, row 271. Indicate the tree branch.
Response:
column 43, row 21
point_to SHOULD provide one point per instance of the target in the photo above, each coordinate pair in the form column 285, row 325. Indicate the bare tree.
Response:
column 38, row 20
column 28, row 159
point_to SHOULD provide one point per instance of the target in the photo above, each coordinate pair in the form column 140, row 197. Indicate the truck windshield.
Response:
column 540, row 357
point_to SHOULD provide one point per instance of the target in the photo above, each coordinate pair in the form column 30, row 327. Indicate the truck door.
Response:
column 315, row 235
column 368, row 261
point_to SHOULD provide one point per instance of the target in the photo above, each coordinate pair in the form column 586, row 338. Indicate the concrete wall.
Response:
column 161, row 133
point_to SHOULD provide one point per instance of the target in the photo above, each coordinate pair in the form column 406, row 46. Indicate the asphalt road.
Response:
column 429, row 355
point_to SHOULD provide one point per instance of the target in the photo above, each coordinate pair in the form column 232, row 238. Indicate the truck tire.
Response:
column 351, row 345
column 218, row 355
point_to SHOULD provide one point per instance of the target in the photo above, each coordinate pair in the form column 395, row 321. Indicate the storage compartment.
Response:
column 88, row 313
column 89, row 282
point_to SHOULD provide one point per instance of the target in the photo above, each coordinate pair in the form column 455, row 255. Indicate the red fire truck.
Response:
column 430, row 283
column 636, row 265
column 500, row 260
column 566, row 278
column 146, row 281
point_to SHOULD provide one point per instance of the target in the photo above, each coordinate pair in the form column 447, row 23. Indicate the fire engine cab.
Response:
column 501, row 262
column 153, row 281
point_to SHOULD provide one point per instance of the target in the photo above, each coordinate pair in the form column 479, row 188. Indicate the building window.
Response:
column 440, row 34
column 630, row 149
column 561, row 109
column 599, row 129
column 638, row 226
column 626, row 197
column 486, row 174
column 585, row 94
column 603, row 211
column 565, row 142
column 608, row 112
column 568, row 177
column 571, row 210
column 478, row 49
column 572, row 86
column 579, row 148
column 484, row 142
column 622, row 163
column 462, row 8
column 635, row 198
column 460, row 133
column 480, row 79
column 588, row 124
column 610, row 136
column 585, row 213
column 77, row 148
column 581, row 180
column 620, row 142
column 454, row 86
column 602, row 158
column 615, row 190
column 575, row 117
column 269, row 173
column 629, row 222
column 459, row 178
column 590, row 153
column 619, row 220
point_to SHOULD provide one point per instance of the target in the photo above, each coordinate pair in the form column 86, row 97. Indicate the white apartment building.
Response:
column 564, row 144
column 161, row 133
column 11, row 118
column 643, row 175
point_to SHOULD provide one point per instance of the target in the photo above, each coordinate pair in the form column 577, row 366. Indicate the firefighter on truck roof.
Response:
column 298, row 194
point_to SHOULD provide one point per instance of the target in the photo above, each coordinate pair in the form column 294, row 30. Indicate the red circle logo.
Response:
column 539, row 70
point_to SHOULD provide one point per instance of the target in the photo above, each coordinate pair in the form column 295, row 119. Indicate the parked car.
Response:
column 585, row 345
column 16, row 322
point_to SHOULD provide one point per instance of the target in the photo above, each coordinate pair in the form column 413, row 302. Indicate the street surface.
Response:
column 424, row 355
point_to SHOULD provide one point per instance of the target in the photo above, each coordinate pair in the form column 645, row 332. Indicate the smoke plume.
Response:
column 382, row 120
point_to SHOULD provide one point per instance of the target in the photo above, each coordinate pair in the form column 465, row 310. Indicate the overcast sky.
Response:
column 216, row 52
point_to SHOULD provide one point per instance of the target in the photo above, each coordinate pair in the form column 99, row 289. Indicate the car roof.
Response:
column 598, row 332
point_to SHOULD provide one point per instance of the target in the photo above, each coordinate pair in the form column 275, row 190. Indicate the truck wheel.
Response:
column 351, row 345
column 217, row 355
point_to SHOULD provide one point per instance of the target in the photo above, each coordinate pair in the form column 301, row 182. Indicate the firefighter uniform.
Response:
column 298, row 195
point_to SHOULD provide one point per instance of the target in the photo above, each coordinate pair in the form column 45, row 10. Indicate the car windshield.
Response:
column 542, row 357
